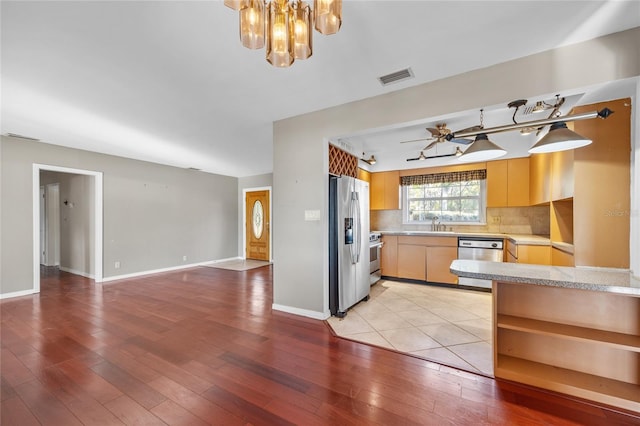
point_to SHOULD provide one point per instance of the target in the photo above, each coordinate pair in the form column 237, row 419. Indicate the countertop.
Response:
column 525, row 239
column 618, row 281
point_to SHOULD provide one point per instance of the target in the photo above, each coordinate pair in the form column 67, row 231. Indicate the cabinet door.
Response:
column 389, row 256
column 376, row 191
column 392, row 190
column 562, row 175
column 561, row 258
column 411, row 262
column 438, row 262
column 497, row 183
column 517, row 182
column 539, row 255
column 539, row 179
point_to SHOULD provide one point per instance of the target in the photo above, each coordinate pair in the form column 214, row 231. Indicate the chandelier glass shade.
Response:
column 252, row 24
column 285, row 27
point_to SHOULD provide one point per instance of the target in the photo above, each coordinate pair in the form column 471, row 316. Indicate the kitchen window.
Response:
column 448, row 198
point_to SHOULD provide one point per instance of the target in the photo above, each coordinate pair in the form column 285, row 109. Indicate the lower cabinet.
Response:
column 412, row 262
column 422, row 258
column 438, row 261
column 525, row 253
column 579, row 342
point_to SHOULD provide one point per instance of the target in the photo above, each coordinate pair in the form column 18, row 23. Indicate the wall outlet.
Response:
column 184, row 258
column 116, row 265
column 496, row 219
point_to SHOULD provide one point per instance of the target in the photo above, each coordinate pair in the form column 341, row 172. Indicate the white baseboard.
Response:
column 158, row 271
column 75, row 272
column 17, row 294
column 302, row 312
column 211, row 262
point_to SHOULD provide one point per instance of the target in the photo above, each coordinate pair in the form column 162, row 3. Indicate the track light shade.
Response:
column 482, row 149
column 559, row 138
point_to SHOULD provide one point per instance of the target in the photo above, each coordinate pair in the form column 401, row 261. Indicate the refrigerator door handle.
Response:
column 358, row 237
column 352, row 250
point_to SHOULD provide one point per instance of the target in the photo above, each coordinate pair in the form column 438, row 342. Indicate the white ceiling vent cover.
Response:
column 395, row 77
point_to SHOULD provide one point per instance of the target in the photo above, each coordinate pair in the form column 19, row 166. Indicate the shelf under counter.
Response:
column 565, row 329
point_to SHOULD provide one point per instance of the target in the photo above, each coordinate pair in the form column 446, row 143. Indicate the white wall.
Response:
column 635, row 186
column 300, row 267
column 153, row 214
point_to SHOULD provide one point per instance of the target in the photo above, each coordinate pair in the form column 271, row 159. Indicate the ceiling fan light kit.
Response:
column 284, row 27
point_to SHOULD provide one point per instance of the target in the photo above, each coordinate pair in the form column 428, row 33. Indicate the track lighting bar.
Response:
column 604, row 113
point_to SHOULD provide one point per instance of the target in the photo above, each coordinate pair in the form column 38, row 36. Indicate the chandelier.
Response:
column 285, row 27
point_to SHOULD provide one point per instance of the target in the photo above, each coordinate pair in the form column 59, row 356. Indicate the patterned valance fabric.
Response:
column 444, row 177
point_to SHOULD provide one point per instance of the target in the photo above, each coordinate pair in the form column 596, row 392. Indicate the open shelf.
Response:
column 588, row 386
column 617, row 340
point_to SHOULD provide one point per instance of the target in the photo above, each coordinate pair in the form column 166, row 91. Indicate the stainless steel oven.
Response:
column 375, row 244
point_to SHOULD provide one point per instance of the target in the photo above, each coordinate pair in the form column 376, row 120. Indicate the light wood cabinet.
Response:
column 423, row 258
column 438, row 262
column 602, row 193
column 389, row 256
column 385, row 190
column 412, row 262
column 578, row 342
column 561, row 175
column 508, row 183
column 561, row 258
column 539, row 179
column 528, row 253
column 364, row 175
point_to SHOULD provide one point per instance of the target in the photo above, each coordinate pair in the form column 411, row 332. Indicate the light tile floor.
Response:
column 449, row 326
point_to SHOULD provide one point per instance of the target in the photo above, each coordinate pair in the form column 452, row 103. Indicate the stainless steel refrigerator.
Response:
column 348, row 243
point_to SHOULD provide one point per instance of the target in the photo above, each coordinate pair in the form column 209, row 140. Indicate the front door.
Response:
column 257, row 225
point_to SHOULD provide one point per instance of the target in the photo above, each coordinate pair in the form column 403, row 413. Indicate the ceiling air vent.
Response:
column 395, row 77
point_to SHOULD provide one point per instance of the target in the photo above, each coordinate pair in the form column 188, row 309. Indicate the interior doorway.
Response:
column 96, row 217
column 257, row 219
column 50, row 224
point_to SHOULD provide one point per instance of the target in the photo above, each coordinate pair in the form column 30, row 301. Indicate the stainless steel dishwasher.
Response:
column 479, row 248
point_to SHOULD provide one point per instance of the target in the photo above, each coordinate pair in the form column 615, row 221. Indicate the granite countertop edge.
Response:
column 594, row 279
column 534, row 240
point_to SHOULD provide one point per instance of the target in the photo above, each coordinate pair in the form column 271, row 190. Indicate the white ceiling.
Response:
column 169, row 82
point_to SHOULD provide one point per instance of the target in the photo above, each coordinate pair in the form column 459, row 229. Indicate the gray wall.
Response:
column 153, row 214
column 300, row 269
column 247, row 182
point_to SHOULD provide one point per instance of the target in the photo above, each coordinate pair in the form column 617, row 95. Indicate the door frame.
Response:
column 244, row 219
column 98, row 218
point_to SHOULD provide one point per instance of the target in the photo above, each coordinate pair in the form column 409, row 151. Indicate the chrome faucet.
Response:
column 434, row 227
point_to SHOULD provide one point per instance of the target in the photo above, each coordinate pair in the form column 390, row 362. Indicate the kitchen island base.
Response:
column 577, row 342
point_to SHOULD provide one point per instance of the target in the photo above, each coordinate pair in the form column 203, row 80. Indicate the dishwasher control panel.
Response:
column 484, row 243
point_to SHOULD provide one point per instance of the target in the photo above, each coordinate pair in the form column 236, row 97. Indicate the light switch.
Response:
column 310, row 215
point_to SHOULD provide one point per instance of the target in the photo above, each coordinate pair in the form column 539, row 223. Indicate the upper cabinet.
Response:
column 602, row 176
column 385, row 190
column 364, row 175
column 508, row 183
column 539, row 179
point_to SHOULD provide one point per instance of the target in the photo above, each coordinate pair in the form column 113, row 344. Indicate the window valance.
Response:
column 444, row 177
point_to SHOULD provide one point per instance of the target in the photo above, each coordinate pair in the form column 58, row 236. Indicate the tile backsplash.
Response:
column 501, row 220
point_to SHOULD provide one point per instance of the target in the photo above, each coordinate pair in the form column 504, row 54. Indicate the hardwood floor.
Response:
column 202, row 346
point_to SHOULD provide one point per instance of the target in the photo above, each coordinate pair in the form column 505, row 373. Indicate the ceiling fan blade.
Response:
column 413, row 159
column 470, row 129
column 431, row 145
column 417, row 140
column 434, row 132
column 462, row 141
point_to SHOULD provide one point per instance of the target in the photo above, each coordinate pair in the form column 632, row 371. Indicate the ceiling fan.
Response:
column 458, row 152
column 441, row 134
